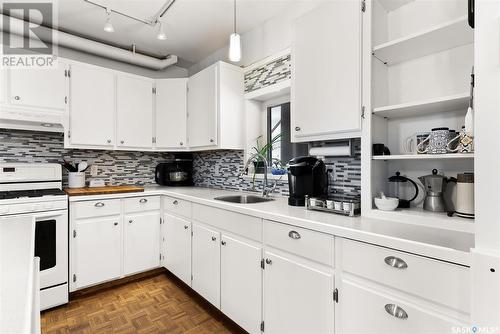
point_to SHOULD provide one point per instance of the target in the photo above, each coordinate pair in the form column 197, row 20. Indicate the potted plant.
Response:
column 264, row 151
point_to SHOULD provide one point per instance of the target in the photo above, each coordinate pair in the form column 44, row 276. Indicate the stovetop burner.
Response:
column 30, row 193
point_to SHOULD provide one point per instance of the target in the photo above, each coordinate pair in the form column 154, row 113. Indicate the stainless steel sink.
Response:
column 243, row 199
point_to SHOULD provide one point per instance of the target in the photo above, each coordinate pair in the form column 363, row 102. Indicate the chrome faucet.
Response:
column 265, row 190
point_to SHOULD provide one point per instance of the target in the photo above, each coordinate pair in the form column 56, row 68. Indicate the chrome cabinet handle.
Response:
column 109, row 141
column 214, row 238
column 395, row 262
column 175, row 202
column 294, row 235
column 297, row 128
column 269, row 261
column 186, row 227
column 99, row 204
column 115, row 223
column 181, row 143
column 143, row 200
column 130, row 221
column 396, row 311
column 17, row 97
column 211, row 140
column 223, row 243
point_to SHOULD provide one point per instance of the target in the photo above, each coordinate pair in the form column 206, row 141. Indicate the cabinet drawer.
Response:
column 313, row 245
column 140, row 204
column 177, row 206
column 97, row 208
column 438, row 281
column 366, row 310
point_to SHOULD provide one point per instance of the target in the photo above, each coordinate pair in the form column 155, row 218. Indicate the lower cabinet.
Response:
column 298, row 295
column 177, row 247
column 241, row 282
column 97, row 251
column 206, row 263
column 141, row 242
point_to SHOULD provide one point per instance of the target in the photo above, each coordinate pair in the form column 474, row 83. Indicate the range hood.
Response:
column 10, row 118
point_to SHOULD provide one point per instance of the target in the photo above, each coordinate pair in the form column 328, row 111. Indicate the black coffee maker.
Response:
column 306, row 176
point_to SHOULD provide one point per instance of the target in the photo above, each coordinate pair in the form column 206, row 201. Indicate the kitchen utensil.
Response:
column 76, row 180
column 381, row 149
column 82, row 166
column 70, row 167
column 469, row 116
column 437, row 141
column 465, row 195
column 434, row 185
column 461, row 143
column 386, row 203
column 399, row 185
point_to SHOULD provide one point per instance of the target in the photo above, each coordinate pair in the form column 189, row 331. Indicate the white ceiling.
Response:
column 195, row 28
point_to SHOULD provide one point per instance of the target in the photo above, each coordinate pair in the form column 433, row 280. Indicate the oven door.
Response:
column 51, row 246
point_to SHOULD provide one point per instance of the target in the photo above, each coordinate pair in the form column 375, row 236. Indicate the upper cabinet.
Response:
column 35, row 98
column 215, row 108
column 171, row 114
column 326, row 73
column 134, row 112
column 91, row 120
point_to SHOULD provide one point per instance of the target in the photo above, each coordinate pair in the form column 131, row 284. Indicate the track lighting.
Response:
column 234, row 41
column 161, row 32
column 108, row 27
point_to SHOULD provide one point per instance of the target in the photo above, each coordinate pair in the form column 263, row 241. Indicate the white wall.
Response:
column 267, row 39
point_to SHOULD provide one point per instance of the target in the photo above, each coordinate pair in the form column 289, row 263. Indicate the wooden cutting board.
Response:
column 102, row 190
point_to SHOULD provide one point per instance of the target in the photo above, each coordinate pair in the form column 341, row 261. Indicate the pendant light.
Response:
column 108, row 27
column 234, row 41
column 161, row 32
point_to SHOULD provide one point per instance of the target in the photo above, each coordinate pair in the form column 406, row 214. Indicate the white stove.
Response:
column 36, row 190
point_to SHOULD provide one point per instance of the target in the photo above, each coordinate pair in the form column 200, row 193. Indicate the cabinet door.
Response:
column 364, row 310
column 202, row 108
column 326, row 86
column 98, row 250
column 298, row 296
column 39, row 88
column 241, row 280
column 171, row 113
column 177, row 239
column 141, row 242
column 92, row 107
column 134, row 105
column 206, row 263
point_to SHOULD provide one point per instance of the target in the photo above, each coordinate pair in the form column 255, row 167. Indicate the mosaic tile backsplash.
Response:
column 115, row 167
column 273, row 72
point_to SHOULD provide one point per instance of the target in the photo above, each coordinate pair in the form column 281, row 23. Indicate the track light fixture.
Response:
column 234, row 41
column 108, row 27
column 161, row 32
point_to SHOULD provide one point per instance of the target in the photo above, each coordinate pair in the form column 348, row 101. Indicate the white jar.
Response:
column 76, row 180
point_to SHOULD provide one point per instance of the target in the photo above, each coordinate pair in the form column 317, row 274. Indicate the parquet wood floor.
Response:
column 159, row 304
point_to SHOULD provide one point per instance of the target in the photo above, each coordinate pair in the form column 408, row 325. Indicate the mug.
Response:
column 381, row 149
column 437, row 142
column 410, row 143
column 465, row 143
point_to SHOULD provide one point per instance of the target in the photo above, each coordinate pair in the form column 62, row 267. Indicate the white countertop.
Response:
column 436, row 243
column 17, row 251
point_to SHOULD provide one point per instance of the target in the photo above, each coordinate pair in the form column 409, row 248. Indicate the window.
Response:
column 278, row 131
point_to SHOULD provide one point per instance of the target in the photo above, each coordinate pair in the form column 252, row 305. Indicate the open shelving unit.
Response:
column 420, row 65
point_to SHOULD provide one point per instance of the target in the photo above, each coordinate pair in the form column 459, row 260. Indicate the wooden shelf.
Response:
column 418, row 216
column 424, row 156
column 424, row 107
column 436, row 39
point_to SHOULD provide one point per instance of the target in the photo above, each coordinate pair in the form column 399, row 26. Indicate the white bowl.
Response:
column 386, row 204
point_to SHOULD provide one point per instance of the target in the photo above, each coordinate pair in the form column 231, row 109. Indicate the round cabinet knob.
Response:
column 269, row 261
column 122, row 142
column 175, row 202
column 109, row 141
column 211, row 140
column 214, row 238
column 297, row 128
column 115, row 223
column 186, row 227
column 17, row 98
column 223, row 243
column 181, row 143
column 130, row 221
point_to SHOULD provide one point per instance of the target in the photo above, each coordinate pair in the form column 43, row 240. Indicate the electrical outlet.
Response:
column 93, row 170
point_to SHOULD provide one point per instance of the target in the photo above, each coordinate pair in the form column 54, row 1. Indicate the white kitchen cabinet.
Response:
column 171, row 114
column 241, row 282
column 96, row 251
column 365, row 310
column 206, row 263
column 177, row 247
column 134, row 112
column 92, row 108
column 298, row 295
column 326, row 73
column 141, row 240
column 216, row 108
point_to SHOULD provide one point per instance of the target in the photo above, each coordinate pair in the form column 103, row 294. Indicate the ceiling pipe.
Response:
column 60, row 38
